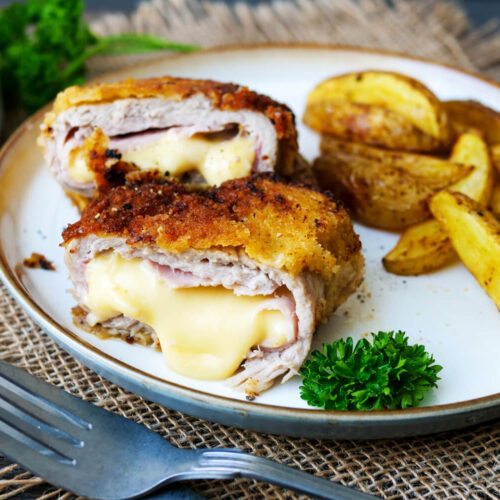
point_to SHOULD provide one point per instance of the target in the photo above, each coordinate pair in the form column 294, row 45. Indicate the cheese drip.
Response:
column 217, row 161
column 78, row 168
column 204, row 332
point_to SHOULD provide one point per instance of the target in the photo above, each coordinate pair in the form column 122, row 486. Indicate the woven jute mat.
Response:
column 464, row 464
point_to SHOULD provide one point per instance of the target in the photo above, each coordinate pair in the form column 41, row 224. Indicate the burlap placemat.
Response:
column 463, row 464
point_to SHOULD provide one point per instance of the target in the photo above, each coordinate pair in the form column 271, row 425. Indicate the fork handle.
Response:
column 235, row 463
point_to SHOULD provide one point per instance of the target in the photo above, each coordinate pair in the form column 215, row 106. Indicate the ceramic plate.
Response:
column 446, row 311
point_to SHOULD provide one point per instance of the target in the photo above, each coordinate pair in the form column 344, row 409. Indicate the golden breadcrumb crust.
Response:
column 278, row 224
column 224, row 96
column 228, row 96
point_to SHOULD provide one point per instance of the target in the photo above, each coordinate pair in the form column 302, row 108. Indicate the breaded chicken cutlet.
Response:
column 199, row 131
column 230, row 282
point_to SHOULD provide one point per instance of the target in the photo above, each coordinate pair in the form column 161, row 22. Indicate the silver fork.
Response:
column 95, row 453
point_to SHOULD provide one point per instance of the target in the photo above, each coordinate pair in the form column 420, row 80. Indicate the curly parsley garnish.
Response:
column 44, row 45
column 387, row 374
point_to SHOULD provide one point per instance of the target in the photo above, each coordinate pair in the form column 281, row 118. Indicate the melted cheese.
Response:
column 204, row 332
column 217, row 161
column 78, row 169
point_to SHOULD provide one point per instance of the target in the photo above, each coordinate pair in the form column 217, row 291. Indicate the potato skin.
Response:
column 475, row 235
column 370, row 125
column 495, row 158
column 494, row 205
column 466, row 115
column 470, row 149
column 426, row 247
column 379, row 108
column 377, row 195
column 384, row 189
column 434, row 172
column 421, row 249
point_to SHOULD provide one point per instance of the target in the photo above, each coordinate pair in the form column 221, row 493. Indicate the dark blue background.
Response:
column 480, row 11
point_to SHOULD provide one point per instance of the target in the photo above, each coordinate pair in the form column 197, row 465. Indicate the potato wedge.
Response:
column 421, row 249
column 475, row 235
column 385, row 189
column 368, row 124
column 466, row 115
column 415, row 252
column 494, row 205
column 471, row 150
column 432, row 171
column 495, row 157
column 380, row 97
column 377, row 195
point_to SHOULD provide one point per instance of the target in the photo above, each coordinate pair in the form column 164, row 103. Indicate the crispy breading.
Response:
column 106, row 163
column 284, row 226
column 225, row 96
column 110, row 171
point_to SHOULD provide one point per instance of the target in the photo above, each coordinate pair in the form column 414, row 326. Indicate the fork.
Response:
column 95, row 453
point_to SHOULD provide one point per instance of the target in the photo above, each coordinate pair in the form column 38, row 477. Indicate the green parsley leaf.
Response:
column 44, row 45
column 385, row 374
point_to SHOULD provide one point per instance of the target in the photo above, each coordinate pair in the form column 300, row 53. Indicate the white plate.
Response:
column 446, row 311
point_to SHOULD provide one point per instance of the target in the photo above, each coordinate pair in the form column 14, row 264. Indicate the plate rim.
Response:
column 66, row 337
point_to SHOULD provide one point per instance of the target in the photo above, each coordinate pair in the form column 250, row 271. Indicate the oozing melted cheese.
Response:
column 78, row 169
column 204, row 332
column 217, row 161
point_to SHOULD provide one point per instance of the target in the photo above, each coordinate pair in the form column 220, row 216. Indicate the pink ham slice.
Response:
column 297, row 298
column 132, row 122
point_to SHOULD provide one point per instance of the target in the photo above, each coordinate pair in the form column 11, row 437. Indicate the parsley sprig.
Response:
column 387, row 374
column 44, row 45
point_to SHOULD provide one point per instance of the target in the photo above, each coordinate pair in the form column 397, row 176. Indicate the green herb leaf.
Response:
column 386, row 374
column 44, row 45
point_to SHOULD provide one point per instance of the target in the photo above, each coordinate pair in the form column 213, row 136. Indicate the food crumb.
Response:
column 38, row 261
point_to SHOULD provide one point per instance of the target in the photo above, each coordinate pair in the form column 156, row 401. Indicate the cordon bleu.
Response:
column 230, row 282
column 198, row 131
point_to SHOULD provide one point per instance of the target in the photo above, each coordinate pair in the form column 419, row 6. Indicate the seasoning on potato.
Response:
column 426, row 247
column 382, row 188
column 494, row 205
column 379, row 108
column 466, row 115
column 475, row 235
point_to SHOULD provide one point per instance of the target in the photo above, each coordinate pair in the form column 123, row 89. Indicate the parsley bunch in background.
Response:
column 44, row 45
column 387, row 374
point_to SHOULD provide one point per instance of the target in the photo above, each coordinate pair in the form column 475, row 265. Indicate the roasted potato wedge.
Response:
column 466, row 115
column 421, row 249
column 385, row 189
column 475, row 235
column 495, row 158
column 368, row 124
column 379, row 108
column 377, row 195
column 471, row 150
column 426, row 247
column 432, row 171
column 495, row 201
column 494, row 205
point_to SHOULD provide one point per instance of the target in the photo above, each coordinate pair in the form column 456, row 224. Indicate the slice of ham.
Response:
column 303, row 297
column 132, row 122
column 176, row 278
